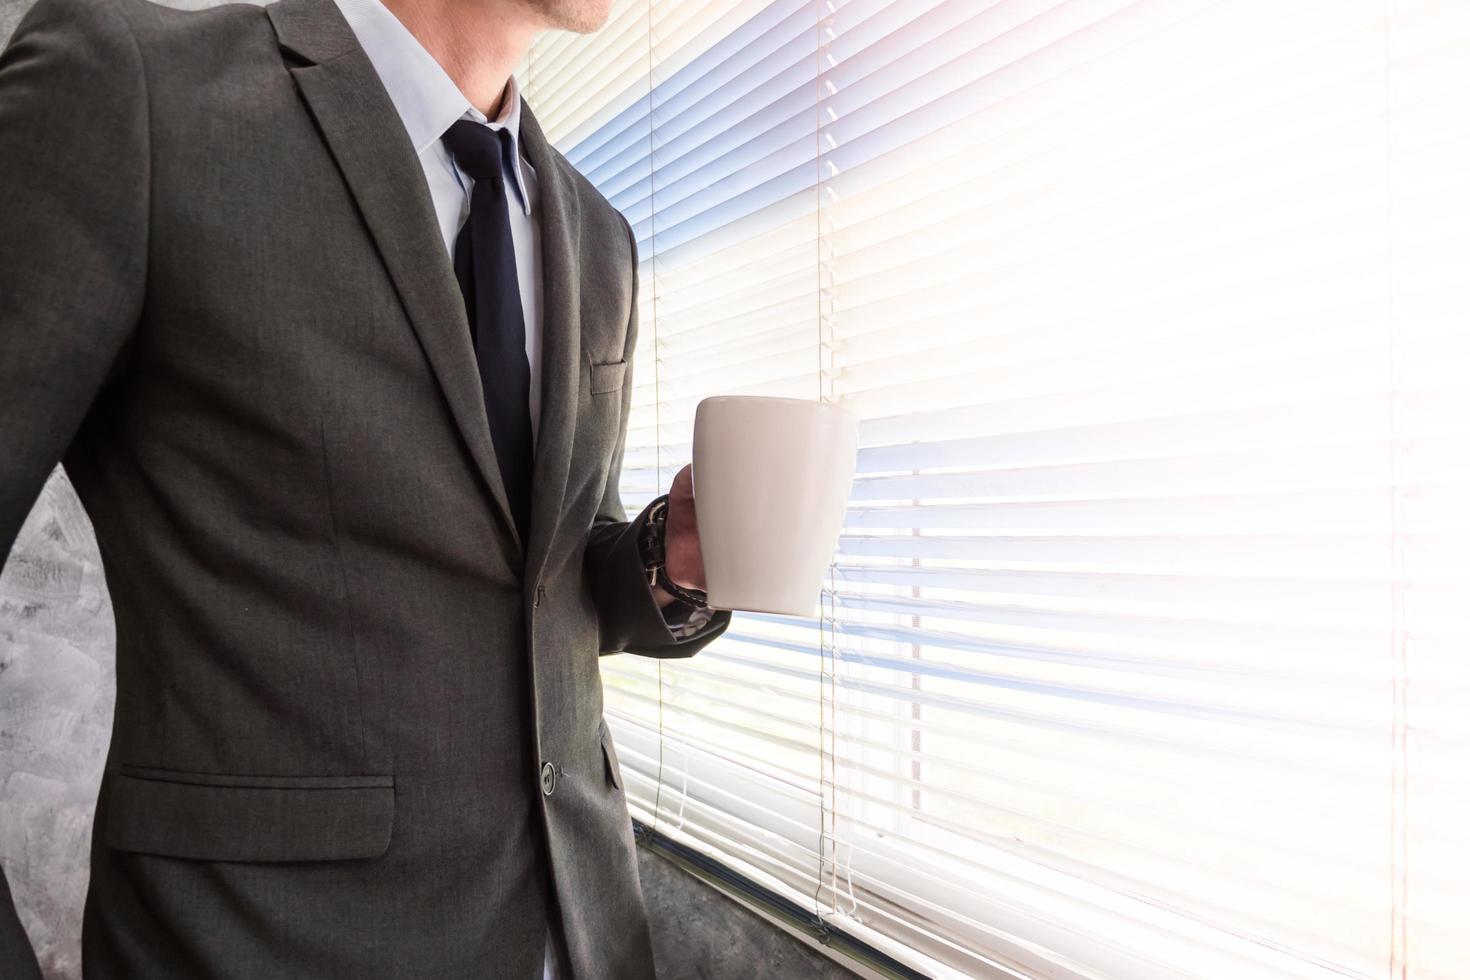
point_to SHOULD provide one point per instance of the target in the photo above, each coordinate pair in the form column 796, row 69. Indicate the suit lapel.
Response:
column 361, row 127
column 561, row 349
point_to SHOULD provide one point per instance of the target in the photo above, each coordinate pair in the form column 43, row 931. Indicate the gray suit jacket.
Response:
column 359, row 725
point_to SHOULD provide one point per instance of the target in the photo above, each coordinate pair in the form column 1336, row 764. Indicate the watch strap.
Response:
column 693, row 597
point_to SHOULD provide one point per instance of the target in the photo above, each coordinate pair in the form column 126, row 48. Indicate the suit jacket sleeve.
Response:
column 73, row 243
column 629, row 618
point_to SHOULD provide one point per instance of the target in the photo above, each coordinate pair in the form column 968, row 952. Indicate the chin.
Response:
column 580, row 16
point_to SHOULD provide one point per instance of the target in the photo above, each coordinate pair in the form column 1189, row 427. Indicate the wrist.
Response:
column 653, row 547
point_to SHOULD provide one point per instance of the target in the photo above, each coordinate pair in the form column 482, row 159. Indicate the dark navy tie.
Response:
column 485, row 264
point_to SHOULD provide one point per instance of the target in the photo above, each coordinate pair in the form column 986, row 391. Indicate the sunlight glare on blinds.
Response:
column 1144, row 648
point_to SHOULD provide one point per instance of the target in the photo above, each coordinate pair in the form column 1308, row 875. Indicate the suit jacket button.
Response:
column 548, row 778
column 540, row 594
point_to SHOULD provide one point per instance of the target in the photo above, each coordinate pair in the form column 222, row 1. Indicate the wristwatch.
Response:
column 651, row 546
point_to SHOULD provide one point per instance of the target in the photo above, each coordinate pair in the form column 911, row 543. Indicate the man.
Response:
column 336, row 349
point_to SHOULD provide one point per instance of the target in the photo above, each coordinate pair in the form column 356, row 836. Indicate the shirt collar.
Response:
column 425, row 96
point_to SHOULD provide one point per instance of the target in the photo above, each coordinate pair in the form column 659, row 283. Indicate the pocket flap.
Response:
column 222, row 817
column 610, row 756
column 608, row 375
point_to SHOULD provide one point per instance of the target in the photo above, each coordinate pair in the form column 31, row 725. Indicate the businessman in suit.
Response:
column 336, row 349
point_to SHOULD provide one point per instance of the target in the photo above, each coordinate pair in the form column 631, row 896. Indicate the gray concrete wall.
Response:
column 700, row 934
column 56, row 690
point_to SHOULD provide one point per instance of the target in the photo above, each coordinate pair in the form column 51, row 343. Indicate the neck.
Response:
column 478, row 43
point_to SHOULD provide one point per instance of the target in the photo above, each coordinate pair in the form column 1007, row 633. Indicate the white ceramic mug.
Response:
column 771, row 483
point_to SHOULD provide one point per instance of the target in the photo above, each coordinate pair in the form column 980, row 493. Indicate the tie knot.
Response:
column 480, row 150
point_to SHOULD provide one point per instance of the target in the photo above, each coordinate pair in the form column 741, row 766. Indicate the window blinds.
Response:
column 1144, row 651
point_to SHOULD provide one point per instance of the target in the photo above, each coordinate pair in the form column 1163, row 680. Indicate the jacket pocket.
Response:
column 225, row 817
column 610, row 756
column 608, row 375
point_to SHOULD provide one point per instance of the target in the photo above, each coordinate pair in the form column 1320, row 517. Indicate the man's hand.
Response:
column 683, row 560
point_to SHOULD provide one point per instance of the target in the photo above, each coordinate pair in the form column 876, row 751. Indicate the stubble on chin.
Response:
column 578, row 16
